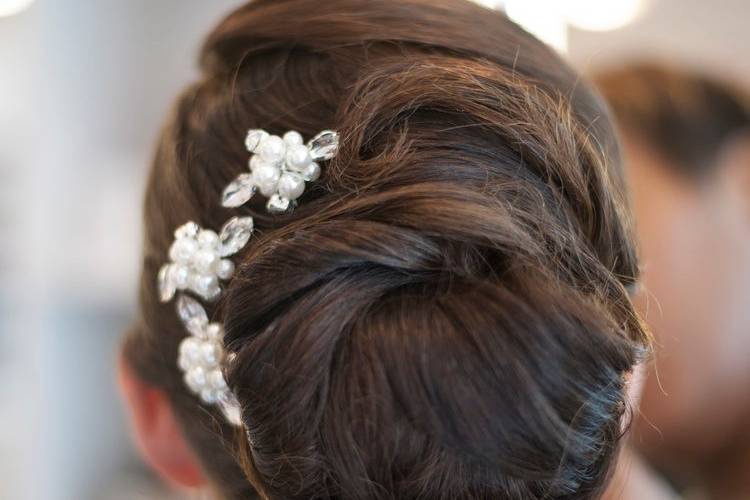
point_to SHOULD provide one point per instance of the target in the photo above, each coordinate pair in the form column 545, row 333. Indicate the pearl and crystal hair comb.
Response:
column 280, row 167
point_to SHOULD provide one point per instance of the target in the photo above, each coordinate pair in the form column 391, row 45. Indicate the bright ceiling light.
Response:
column 491, row 4
column 13, row 7
column 549, row 20
column 599, row 15
column 542, row 18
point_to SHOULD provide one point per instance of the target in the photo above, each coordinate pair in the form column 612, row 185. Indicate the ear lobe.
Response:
column 157, row 432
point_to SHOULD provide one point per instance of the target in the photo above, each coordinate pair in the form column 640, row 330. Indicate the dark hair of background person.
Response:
column 683, row 115
column 446, row 313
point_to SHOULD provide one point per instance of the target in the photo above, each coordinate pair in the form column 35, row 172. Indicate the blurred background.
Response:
column 84, row 86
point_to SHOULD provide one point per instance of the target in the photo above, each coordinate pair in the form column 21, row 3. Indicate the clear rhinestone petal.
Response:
column 167, row 287
column 278, row 205
column 196, row 327
column 324, row 146
column 239, row 191
column 234, row 235
column 188, row 230
column 230, row 407
column 212, row 293
column 254, row 138
column 192, row 313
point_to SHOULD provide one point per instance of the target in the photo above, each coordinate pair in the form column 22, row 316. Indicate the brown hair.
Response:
column 445, row 315
column 681, row 114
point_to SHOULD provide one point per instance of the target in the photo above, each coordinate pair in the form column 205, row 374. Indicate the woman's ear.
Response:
column 157, row 433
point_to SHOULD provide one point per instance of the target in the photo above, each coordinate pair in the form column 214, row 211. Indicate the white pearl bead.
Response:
column 298, row 157
column 225, row 269
column 311, row 172
column 183, row 249
column 291, row 186
column 212, row 293
column 190, row 349
column 208, row 238
column 203, row 284
column 255, row 162
column 293, row 138
column 210, row 353
column 180, row 275
column 195, row 378
column 209, row 396
column 185, row 344
column 187, row 230
column 216, row 379
column 273, row 149
column 205, row 260
column 266, row 177
column 214, row 331
column 184, row 363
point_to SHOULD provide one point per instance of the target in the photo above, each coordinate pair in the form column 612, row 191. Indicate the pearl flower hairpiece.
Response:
column 279, row 169
column 201, row 357
column 198, row 258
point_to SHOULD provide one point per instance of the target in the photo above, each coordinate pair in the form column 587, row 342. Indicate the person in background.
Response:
column 687, row 147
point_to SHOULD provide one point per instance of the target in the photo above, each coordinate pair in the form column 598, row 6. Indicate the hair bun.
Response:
column 444, row 301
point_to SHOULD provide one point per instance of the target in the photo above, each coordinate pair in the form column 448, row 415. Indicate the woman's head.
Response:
column 445, row 314
column 687, row 138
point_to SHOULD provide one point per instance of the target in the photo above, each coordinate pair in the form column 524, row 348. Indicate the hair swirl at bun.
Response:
column 445, row 315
